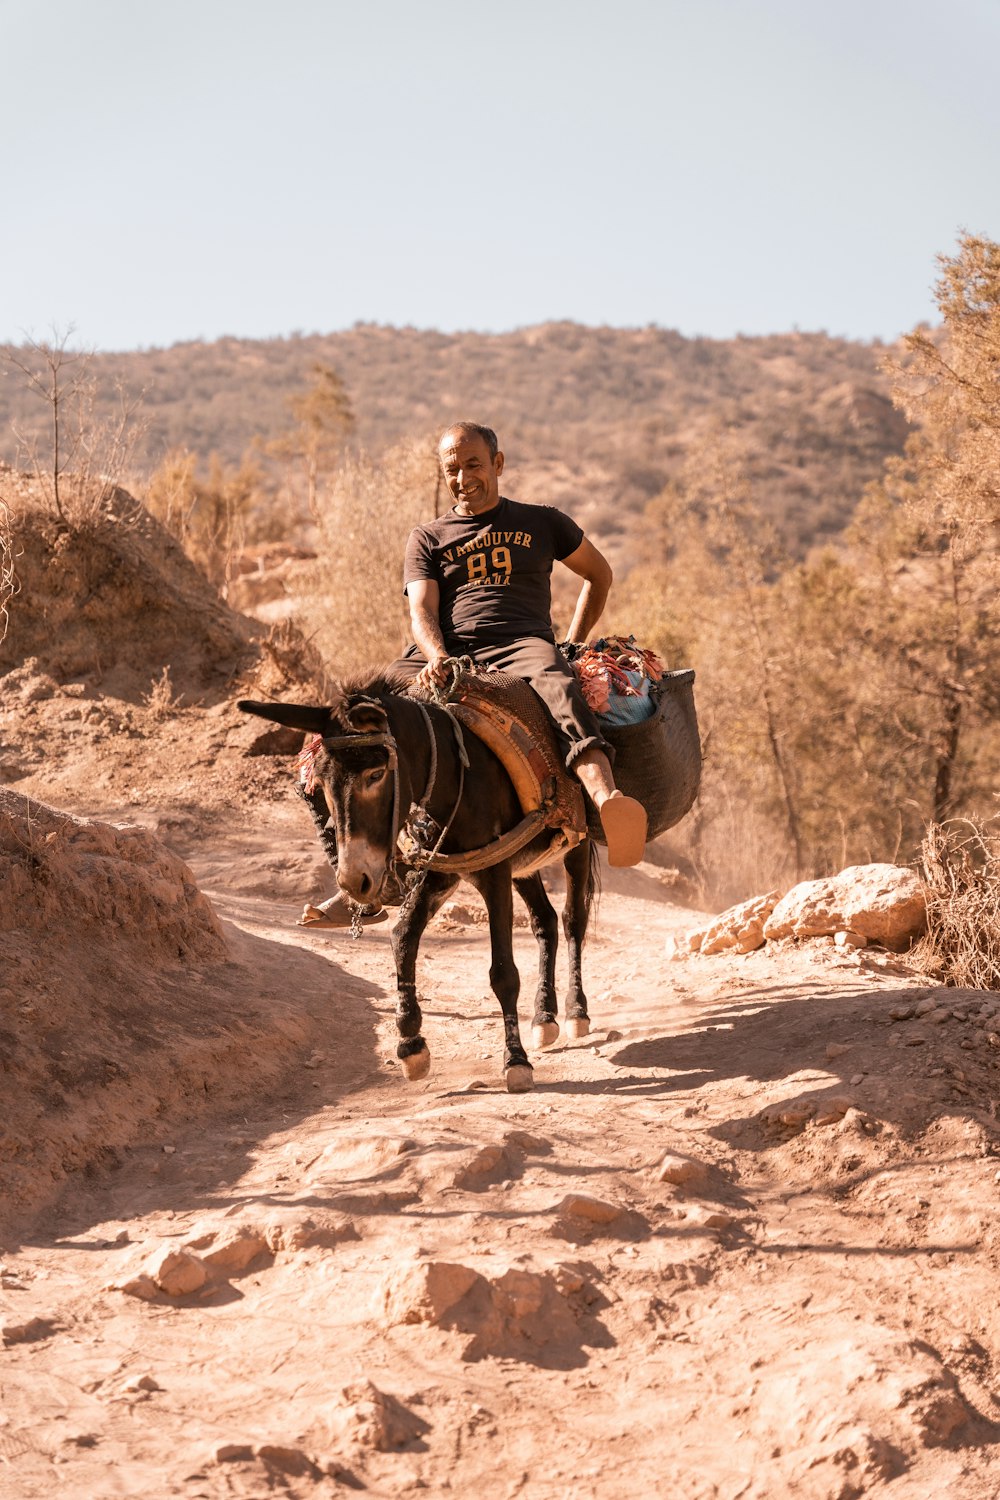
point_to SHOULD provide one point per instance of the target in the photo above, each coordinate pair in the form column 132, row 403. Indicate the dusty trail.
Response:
column 451, row 1288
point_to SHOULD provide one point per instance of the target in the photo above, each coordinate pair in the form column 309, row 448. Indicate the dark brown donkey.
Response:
column 390, row 763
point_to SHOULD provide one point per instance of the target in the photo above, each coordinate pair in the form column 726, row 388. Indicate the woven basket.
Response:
column 658, row 761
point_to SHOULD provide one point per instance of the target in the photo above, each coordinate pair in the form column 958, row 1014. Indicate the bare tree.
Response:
column 80, row 441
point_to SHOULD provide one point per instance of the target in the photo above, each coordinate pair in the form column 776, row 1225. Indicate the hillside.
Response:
column 595, row 418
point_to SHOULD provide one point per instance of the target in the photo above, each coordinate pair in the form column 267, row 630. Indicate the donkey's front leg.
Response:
column 412, row 1051
column 495, row 888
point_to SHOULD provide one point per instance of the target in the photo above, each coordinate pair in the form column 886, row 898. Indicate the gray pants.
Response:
column 542, row 664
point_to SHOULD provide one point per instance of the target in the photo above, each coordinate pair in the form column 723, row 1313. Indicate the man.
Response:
column 478, row 581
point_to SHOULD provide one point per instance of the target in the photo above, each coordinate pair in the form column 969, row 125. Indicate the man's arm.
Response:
column 595, row 570
column 425, row 622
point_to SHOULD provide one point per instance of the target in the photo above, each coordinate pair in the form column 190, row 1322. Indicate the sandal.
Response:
column 336, row 912
column 624, row 822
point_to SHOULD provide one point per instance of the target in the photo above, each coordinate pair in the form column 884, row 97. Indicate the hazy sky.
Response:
column 253, row 167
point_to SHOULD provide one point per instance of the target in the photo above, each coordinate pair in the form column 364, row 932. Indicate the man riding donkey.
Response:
column 478, row 581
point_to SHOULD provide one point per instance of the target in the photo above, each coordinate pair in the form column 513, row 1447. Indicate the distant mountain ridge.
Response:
column 594, row 419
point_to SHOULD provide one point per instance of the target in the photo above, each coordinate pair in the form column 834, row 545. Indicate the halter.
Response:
column 386, row 741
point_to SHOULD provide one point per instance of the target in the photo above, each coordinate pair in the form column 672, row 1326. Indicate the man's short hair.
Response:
column 476, row 429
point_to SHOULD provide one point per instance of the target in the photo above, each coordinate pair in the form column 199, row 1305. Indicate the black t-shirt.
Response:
column 493, row 570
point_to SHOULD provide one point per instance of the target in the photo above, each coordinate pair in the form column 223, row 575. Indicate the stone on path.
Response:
column 177, row 1272
column 682, row 1170
column 740, row 927
column 883, row 903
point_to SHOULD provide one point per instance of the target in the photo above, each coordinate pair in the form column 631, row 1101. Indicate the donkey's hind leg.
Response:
column 494, row 885
column 412, row 1050
column 580, row 867
column 545, row 926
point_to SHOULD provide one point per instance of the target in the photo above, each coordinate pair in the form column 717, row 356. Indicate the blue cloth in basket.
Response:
column 624, row 709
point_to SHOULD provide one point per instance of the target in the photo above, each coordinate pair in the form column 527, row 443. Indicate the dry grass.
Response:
column 961, row 865
column 8, row 576
column 352, row 603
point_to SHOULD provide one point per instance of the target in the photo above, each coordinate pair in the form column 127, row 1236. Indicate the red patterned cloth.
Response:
column 305, row 763
column 615, row 666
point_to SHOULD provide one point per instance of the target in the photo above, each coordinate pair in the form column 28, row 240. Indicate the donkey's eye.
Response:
column 372, row 778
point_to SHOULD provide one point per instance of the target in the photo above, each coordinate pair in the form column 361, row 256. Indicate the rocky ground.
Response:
column 741, row 1241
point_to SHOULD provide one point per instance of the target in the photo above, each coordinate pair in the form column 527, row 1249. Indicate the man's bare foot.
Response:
column 336, row 912
column 624, row 822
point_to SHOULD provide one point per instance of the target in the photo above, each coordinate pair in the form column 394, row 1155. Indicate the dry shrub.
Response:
column 161, row 700
column 212, row 518
column 352, row 602
column 82, row 434
column 288, row 665
column 961, row 865
column 8, row 577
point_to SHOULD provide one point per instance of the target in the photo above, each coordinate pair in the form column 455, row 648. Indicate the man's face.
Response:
column 470, row 473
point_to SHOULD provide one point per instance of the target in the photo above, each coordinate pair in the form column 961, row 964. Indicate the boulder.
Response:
column 177, row 1272
column 739, row 927
column 884, row 903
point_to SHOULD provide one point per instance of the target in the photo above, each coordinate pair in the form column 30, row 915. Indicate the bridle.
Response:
column 419, row 825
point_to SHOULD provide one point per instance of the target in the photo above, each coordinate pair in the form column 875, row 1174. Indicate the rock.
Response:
column 693, row 939
column 232, row 1452
column 882, row 903
column 901, row 1013
column 302, row 1231
column 740, row 927
column 177, row 1272
column 141, row 1286
column 372, row 1419
column 682, row 1170
column 143, row 1383
column 593, row 1210
column 490, row 1164
column 924, row 1007
column 704, row 1217
column 428, row 1291
column 27, row 1333
column 231, row 1248
column 850, row 940
column 286, row 1460
column 531, row 1145
column 836, row 1049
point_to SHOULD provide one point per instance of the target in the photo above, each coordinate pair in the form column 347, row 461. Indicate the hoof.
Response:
column 416, row 1066
column 520, row 1079
column 576, row 1029
column 544, row 1035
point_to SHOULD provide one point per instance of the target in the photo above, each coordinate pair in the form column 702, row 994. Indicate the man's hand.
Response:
column 435, row 674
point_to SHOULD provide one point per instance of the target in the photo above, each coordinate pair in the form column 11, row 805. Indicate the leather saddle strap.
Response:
column 505, row 847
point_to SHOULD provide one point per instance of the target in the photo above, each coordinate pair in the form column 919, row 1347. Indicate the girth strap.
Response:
column 505, row 847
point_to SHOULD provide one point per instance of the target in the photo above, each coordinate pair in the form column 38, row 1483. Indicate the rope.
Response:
column 456, row 665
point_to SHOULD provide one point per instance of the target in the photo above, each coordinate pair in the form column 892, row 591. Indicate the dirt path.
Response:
column 440, row 1288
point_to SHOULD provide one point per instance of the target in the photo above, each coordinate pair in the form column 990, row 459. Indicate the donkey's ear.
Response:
column 368, row 717
column 293, row 715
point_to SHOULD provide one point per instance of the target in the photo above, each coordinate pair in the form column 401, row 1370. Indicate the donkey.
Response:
column 389, row 762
